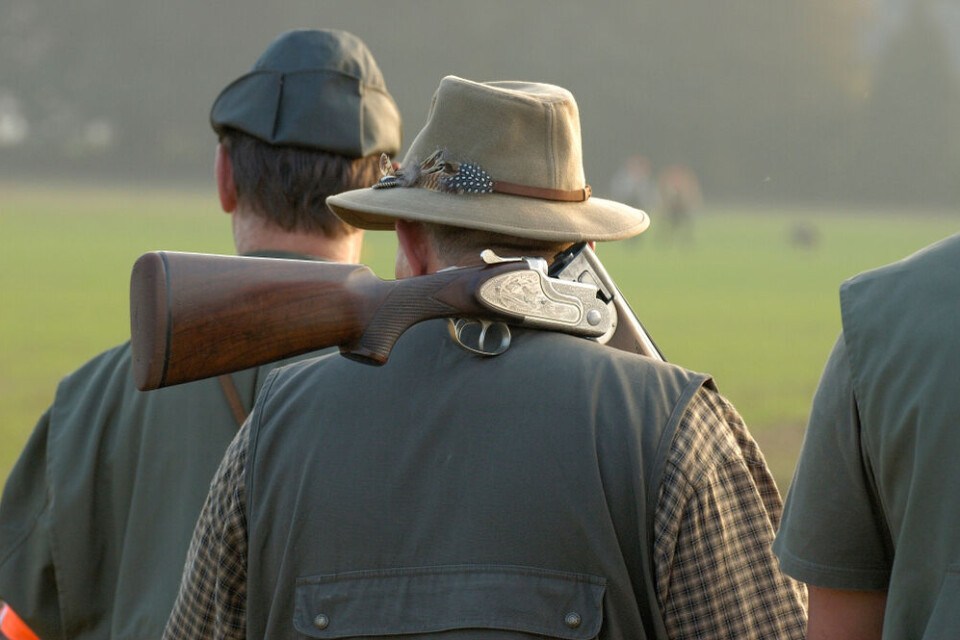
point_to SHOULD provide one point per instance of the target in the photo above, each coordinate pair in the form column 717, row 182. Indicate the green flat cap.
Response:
column 320, row 89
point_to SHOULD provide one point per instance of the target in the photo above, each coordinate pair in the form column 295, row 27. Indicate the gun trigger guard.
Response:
column 477, row 335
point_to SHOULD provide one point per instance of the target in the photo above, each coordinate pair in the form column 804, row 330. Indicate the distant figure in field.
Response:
column 804, row 235
column 680, row 196
column 633, row 184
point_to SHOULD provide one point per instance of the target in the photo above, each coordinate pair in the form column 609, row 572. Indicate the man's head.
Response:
column 499, row 158
column 309, row 120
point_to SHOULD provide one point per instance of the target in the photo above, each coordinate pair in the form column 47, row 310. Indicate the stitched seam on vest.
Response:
column 656, row 477
column 256, row 418
column 663, row 447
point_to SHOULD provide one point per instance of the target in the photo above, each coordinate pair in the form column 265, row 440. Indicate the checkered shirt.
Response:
column 716, row 576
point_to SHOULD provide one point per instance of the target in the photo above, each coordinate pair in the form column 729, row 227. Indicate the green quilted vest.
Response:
column 453, row 494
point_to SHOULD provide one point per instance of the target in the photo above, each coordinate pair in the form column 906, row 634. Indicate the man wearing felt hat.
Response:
column 97, row 515
column 561, row 489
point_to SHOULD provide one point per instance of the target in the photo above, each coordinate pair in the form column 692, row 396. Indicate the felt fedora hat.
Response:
column 499, row 156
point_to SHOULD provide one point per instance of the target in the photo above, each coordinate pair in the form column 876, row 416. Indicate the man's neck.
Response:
column 253, row 234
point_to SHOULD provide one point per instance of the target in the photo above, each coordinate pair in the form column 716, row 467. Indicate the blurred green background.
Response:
column 822, row 135
column 809, row 100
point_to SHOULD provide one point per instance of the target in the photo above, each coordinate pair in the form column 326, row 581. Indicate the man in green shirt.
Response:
column 872, row 522
column 96, row 516
column 561, row 489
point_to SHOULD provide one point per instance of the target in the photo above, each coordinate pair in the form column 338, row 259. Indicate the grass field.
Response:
column 739, row 301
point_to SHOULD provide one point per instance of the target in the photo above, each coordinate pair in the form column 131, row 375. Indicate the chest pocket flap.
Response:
column 425, row 600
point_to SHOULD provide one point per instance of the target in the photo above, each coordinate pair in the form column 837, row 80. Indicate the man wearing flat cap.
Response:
column 96, row 516
column 561, row 489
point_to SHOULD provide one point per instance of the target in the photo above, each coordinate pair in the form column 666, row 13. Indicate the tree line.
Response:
column 764, row 101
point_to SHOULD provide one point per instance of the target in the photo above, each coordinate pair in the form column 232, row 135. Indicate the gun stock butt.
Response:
column 195, row 316
column 149, row 320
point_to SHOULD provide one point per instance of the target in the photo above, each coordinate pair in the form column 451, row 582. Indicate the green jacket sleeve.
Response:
column 27, row 578
column 832, row 534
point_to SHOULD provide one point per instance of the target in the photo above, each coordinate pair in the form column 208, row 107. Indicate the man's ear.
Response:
column 413, row 250
column 226, row 188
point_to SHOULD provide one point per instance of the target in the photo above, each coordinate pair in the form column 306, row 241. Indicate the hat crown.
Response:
column 503, row 157
column 320, row 50
column 317, row 89
column 520, row 132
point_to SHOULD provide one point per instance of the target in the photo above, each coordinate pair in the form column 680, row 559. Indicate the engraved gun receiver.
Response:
column 535, row 299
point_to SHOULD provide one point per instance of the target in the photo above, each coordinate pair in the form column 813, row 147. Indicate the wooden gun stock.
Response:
column 195, row 315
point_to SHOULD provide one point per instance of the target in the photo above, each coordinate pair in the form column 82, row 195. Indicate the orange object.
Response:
column 12, row 627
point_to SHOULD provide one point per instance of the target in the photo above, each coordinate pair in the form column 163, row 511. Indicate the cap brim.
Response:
column 593, row 219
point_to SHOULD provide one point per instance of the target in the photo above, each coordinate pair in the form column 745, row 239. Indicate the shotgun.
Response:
column 196, row 315
column 581, row 264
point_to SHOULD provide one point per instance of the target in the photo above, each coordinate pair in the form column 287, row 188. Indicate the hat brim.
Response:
column 593, row 219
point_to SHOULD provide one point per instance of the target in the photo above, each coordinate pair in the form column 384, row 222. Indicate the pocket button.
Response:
column 572, row 620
